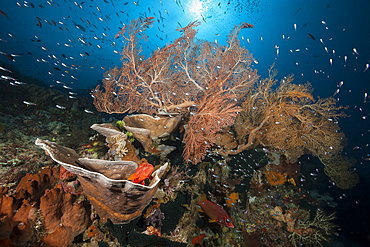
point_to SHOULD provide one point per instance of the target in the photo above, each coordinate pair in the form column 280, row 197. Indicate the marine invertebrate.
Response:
column 151, row 230
column 313, row 232
column 339, row 169
column 19, row 212
column 198, row 79
column 65, row 175
column 275, row 178
column 149, row 130
column 61, row 209
column 288, row 120
column 117, row 144
column 105, row 183
column 115, row 138
column 155, row 218
column 232, row 199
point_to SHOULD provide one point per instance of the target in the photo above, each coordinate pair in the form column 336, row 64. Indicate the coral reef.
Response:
column 194, row 92
column 39, row 213
column 288, row 120
column 200, row 80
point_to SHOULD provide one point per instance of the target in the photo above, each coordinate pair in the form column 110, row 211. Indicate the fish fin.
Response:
column 212, row 221
column 203, row 198
column 131, row 177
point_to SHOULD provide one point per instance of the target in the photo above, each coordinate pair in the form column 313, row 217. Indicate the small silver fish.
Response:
column 60, row 107
column 366, row 67
column 19, row 83
column 355, row 51
column 7, row 77
column 6, row 70
column 28, row 103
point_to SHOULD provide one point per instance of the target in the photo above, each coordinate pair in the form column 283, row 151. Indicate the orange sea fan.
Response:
column 276, row 178
column 299, row 95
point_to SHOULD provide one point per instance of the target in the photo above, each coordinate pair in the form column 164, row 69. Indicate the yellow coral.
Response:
column 232, row 199
column 276, row 178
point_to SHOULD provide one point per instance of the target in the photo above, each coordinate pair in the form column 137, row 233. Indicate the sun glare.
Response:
column 197, row 8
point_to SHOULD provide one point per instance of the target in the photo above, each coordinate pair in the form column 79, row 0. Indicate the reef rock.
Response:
column 105, row 183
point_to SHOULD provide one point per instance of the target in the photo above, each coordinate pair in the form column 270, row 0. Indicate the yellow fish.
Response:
column 291, row 180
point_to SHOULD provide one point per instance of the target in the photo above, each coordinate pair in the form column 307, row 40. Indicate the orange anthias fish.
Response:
column 216, row 212
column 142, row 172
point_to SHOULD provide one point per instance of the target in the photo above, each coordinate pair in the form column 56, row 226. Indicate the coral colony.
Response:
column 238, row 182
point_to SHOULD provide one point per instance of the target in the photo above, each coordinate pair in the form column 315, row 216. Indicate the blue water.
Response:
column 72, row 43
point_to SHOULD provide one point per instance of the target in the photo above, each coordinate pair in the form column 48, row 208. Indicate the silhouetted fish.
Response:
column 297, row 11
column 311, row 36
column 80, row 27
column 304, row 25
